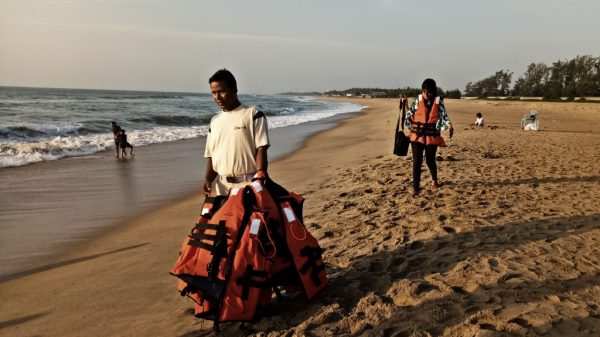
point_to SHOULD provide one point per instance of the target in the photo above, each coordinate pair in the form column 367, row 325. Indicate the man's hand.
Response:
column 450, row 131
column 206, row 187
column 209, row 176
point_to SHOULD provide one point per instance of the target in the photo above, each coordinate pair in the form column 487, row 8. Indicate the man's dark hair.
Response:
column 224, row 75
column 479, row 115
column 431, row 86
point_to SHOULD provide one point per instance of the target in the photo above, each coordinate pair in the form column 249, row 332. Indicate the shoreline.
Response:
column 41, row 194
column 508, row 244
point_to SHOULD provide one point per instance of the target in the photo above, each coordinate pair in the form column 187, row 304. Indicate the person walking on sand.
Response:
column 124, row 144
column 425, row 119
column 237, row 141
column 116, row 130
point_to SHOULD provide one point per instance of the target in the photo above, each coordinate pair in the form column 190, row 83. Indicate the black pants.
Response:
column 417, row 153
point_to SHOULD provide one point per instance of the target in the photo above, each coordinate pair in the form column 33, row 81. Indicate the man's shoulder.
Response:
column 251, row 111
column 217, row 116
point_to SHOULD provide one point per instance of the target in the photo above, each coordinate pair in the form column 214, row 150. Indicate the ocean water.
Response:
column 38, row 124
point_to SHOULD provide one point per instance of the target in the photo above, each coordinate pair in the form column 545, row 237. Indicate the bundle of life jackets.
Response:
column 245, row 247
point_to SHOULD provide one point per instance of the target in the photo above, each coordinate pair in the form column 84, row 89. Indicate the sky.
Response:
column 274, row 46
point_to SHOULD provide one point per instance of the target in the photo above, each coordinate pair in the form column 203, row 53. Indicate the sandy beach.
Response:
column 508, row 246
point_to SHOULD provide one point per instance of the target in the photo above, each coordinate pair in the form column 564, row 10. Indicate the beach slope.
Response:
column 508, row 246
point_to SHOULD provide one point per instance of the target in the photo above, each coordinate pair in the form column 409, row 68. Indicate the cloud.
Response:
column 545, row 5
column 233, row 37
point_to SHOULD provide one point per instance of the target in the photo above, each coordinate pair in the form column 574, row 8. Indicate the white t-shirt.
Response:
column 479, row 121
column 233, row 138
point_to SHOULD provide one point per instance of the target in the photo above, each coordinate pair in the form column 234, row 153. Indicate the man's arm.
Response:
column 261, row 159
column 445, row 120
column 209, row 176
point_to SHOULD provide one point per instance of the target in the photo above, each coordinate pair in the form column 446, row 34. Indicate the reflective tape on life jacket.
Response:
column 424, row 124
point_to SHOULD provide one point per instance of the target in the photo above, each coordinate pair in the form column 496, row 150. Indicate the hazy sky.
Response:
column 280, row 45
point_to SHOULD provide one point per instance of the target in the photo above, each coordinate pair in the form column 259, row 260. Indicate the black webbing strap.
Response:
column 196, row 237
column 205, row 226
column 246, row 281
column 219, row 251
column 218, row 248
column 313, row 254
column 204, row 236
column 425, row 129
column 258, row 115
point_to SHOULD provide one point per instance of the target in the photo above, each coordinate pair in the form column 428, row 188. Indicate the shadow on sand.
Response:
column 414, row 261
column 66, row 263
column 20, row 320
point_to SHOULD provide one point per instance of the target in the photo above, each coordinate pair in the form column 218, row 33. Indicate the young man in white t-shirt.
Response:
column 237, row 142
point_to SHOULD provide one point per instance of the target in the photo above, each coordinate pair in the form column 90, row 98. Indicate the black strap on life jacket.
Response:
column 425, row 129
column 215, row 204
column 209, row 199
column 314, row 255
column 246, row 281
column 218, row 248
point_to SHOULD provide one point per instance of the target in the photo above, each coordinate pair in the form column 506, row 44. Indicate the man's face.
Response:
column 224, row 96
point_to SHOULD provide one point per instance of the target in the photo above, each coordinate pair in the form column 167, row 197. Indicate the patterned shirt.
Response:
column 443, row 121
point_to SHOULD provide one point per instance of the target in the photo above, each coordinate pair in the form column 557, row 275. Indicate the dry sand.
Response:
column 508, row 246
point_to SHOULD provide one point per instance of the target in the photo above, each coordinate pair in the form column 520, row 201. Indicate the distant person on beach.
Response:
column 479, row 120
column 116, row 130
column 425, row 119
column 237, row 141
column 124, row 144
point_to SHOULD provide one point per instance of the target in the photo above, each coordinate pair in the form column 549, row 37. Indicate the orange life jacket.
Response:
column 299, row 250
column 305, row 252
column 424, row 123
column 236, row 254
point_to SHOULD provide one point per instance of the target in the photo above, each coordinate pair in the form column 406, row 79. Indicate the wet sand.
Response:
column 508, row 246
column 47, row 207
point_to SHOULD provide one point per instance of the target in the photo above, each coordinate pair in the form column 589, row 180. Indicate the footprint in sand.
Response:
column 506, row 277
column 494, row 265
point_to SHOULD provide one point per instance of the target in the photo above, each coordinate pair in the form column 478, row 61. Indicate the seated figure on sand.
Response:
column 530, row 122
column 479, row 120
